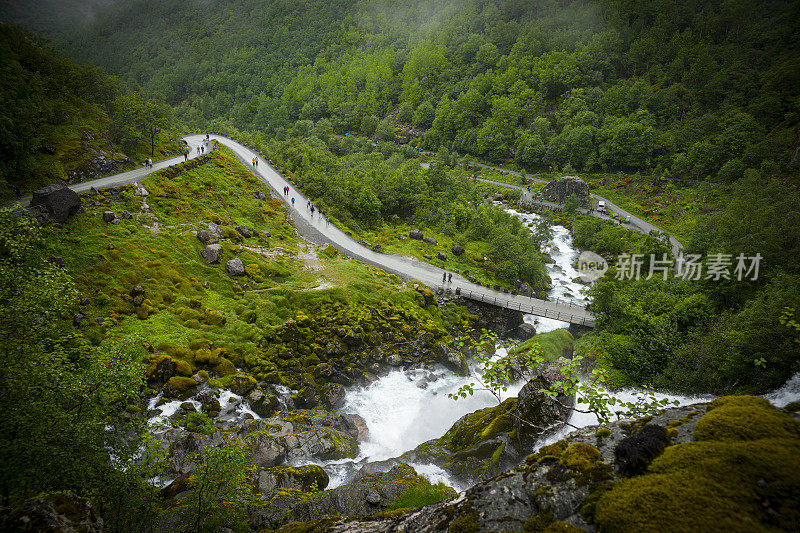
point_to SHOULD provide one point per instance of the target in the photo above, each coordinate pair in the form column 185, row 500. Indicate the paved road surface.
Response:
column 136, row 174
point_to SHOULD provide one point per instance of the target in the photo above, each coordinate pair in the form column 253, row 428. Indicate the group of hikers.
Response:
column 447, row 277
column 148, row 163
column 255, row 162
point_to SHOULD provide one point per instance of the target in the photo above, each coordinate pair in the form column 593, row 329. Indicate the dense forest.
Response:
column 702, row 90
column 64, row 121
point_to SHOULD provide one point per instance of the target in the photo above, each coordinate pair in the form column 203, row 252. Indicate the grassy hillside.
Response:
column 187, row 301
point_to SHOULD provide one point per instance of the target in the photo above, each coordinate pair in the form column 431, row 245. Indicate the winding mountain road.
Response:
column 316, row 228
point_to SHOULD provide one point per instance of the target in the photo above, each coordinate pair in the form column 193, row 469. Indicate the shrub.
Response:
column 198, row 422
column 421, row 494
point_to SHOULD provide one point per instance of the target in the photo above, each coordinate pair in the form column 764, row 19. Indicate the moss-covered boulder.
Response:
column 308, row 478
column 741, row 474
column 160, row 368
column 242, row 383
column 180, row 387
column 262, row 403
column 736, row 418
column 369, row 494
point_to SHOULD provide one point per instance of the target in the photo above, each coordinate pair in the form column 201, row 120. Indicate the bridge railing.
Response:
column 529, row 308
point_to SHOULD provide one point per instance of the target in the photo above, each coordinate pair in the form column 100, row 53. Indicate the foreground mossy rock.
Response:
column 574, row 484
column 736, row 418
column 287, row 436
column 367, row 495
column 62, row 511
column 742, row 473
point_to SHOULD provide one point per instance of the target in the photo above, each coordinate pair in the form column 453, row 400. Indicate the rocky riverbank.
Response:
column 732, row 464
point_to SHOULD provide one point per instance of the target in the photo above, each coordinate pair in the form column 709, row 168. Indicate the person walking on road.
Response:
column 292, row 201
column 444, row 277
column 449, row 277
column 312, row 210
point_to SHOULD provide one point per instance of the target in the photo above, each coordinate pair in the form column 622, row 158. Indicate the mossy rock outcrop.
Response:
column 180, row 387
column 742, row 473
column 287, row 436
column 343, row 342
column 486, row 442
column 716, row 484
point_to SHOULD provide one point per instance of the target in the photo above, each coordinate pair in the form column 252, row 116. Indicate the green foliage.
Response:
column 385, row 130
column 622, row 86
column 370, row 192
column 64, row 400
column 220, row 489
column 553, row 343
column 199, row 422
column 571, row 204
column 421, row 494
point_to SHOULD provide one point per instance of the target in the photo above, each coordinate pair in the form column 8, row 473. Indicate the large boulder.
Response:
column 457, row 250
column 243, row 231
column 109, row 216
column 559, row 190
column 206, row 237
column 525, row 331
column 262, row 403
column 212, row 253
column 415, row 234
column 430, row 240
column 235, row 267
column 537, row 412
column 58, row 200
column 522, row 288
column 442, row 256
